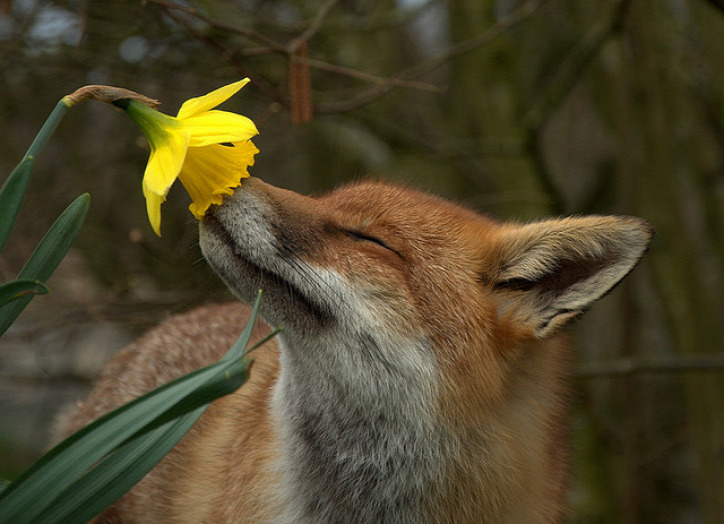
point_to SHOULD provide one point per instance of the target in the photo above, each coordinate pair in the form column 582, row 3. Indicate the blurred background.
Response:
column 519, row 109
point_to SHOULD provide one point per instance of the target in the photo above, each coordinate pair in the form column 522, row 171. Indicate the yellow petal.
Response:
column 213, row 171
column 164, row 164
column 217, row 127
column 197, row 105
column 153, row 208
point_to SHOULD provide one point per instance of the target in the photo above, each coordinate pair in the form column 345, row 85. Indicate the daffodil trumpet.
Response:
column 208, row 150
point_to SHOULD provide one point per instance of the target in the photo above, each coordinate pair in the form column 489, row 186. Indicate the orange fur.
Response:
column 421, row 368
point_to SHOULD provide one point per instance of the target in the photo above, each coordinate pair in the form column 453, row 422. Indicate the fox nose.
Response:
column 246, row 185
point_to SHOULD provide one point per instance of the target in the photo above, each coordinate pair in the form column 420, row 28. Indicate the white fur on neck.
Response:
column 354, row 408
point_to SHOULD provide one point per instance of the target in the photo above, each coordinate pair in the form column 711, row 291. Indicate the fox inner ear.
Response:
column 548, row 272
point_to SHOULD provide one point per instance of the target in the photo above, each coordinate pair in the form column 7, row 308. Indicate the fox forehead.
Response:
column 415, row 217
column 426, row 233
column 381, row 200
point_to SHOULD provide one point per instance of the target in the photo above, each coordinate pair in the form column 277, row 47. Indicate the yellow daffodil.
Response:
column 207, row 149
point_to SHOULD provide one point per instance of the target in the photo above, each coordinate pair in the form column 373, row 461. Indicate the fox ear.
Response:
column 546, row 273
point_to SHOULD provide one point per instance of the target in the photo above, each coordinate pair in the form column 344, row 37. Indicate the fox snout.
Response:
column 253, row 243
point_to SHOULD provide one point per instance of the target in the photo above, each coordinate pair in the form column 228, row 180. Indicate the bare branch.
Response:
column 272, row 47
column 573, row 66
column 405, row 79
column 563, row 81
column 507, row 23
column 367, row 77
column 717, row 4
column 631, row 366
column 248, row 33
column 228, row 55
column 313, row 28
column 300, row 86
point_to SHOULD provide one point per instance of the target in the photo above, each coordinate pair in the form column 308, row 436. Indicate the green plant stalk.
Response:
column 101, row 486
column 48, row 254
column 19, row 288
column 51, row 123
column 56, row 242
column 93, row 467
column 12, row 194
column 13, row 190
column 39, row 487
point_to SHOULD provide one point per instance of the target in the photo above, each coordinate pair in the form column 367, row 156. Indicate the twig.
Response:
column 551, row 97
column 516, row 17
column 313, row 28
column 259, row 82
column 382, row 85
column 630, row 366
column 513, row 19
column 717, row 4
column 367, row 77
column 300, row 87
column 273, row 47
column 248, row 33
column 571, row 68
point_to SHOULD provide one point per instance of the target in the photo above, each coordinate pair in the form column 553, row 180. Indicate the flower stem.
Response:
column 47, row 130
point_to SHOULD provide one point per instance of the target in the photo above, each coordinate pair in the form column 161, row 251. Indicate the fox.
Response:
column 420, row 375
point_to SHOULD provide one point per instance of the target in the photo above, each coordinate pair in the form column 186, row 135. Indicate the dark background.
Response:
column 519, row 109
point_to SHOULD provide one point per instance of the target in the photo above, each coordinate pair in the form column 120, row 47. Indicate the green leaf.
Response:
column 18, row 288
column 56, row 242
column 119, row 472
column 48, row 254
column 13, row 190
column 49, row 126
column 11, row 197
column 93, row 467
column 78, row 453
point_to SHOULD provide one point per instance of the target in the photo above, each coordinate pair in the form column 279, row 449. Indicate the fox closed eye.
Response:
column 358, row 235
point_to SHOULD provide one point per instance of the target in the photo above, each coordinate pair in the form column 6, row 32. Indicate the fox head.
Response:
column 405, row 260
column 420, row 375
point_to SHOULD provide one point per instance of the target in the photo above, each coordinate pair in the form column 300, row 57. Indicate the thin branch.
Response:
column 300, row 86
column 313, row 28
column 82, row 22
column 564, row 80
column 259, row 82
column 630, row 366
column 507, row 23
column 367, row 77
column 382, row 85
column 273, row 47
column 573, row 66
column 717, row 4
column 224, row 28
